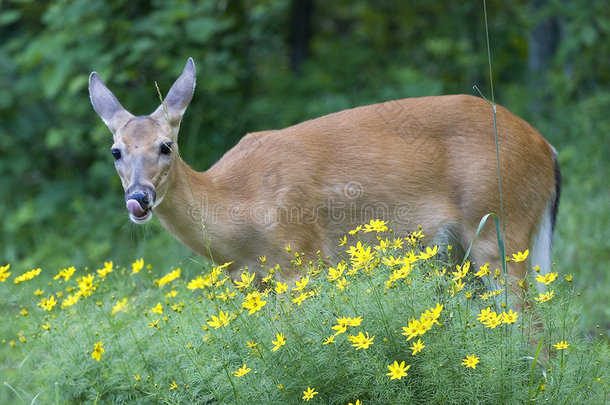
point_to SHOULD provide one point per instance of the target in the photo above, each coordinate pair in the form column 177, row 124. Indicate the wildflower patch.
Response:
column 390, row 323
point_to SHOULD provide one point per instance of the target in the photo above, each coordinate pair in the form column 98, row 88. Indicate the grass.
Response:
column 192, row 336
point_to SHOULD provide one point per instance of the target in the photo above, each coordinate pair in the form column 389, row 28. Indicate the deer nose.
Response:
column 142, row 198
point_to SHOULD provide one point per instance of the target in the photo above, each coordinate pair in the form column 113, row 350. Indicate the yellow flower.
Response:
column 309, row 394
column 434, row 313
column 359, row 341
column 397, row 371
column 461, row 271
column 38, row 292
column 65, row 273
column 137, row 266
column 430, row 253
column 471, row 361
column 490, row 294
column 28, row 275
column 222, row 319
column 4, row 273
column 154, row 324
column 85, row 285
column 417, row 347
column 341, row 326
column 414, row 237
column 356, row 403
column 390, row 261
column 157, row 309
column 489, row 318
column 544, row 297
column 375, row 225
column 242, row 371
column 356, row 230
column 253, row 302
column 568, row 278
column 383, row 245
column 169, row 277
column 397, row 243
column 24, row 312
column 301, row 284
column 280, row 288
column 561, row 345
column 119, row 306
column 344, row 322
column 226, row 294
column 360, row 255
column 68, row 302
column 329, row 340
column 413, row 329
column 342, row 284
column 343, row 241
column 106, row 270
column 246, row 280
column 268, row 277
column 547, row 278
column 484, row 315
column 510, row 317
column 199, row 283
column 424, row 323
column 47, row 304
column 335, row 273
column 302, row 297
column 458, row 285
column 173, row 386
column 171, row 294
column 483, row 271
column 97, row 351
column 297, row 261
column 354, row 321
column 520, row 256
column 281, row 341
column 46, row 326
column 398, row 274
column 252, row 344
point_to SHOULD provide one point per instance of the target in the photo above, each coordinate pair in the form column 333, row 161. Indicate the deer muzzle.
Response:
column 139, row 205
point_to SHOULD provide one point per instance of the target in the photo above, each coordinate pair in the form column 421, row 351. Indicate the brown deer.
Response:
column 428, row 162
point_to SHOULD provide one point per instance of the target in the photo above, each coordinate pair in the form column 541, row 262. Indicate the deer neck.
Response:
column 186, row 209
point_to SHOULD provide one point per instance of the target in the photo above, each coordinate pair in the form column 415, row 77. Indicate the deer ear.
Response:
column 178, row 97
column 106, row 104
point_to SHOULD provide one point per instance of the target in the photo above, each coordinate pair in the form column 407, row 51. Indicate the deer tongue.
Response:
column 135, row 209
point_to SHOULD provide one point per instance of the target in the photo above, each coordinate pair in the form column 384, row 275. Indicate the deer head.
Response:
column 145, row 147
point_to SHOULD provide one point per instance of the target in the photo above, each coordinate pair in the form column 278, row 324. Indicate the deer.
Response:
column 424, row 163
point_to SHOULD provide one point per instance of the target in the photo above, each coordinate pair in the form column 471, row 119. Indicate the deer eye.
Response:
column 166, row 148
column 116, row 153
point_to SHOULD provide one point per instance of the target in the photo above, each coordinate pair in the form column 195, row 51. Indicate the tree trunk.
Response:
column 542, row 45
column 300, row 33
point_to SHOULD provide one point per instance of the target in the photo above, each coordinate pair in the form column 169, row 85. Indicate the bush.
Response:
column 339, row 335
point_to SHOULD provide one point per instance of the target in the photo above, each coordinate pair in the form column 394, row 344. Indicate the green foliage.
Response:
column 182, row 338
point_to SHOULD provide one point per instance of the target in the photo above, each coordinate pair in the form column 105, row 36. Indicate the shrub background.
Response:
column 264, row 64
